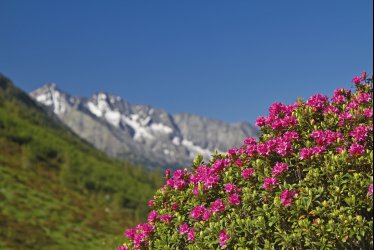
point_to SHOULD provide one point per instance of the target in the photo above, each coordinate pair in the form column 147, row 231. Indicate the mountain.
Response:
column 141, row 133
column 56, row 190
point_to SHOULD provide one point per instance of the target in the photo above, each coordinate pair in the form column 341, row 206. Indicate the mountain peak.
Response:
column 51, row 96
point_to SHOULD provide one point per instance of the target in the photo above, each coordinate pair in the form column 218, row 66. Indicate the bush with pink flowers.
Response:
column 305, row 183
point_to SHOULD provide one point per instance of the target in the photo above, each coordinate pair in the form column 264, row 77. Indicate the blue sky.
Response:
column 227, row 60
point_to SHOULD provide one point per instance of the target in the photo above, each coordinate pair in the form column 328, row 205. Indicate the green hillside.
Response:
column 58, row 192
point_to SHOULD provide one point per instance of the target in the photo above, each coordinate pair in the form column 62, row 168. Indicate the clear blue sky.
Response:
column 227, row 60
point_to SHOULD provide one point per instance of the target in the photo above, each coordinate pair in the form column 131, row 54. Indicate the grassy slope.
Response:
column 56, row 191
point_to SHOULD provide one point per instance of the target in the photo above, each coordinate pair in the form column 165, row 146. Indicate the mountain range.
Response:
column 141, row 133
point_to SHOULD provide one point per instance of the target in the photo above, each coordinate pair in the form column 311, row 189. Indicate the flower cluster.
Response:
column 341, row 95
column 358, row 79
column 309, row 161
column 178, row 181
column 280, row 145
column 279, row 168
column 286, row 197
column 360, row 133
column 326, row 137
column 306, row 153
column 223, row 238
column 248, row 172
column 317, row 101
column 140, row 234
column 189, row 231
column 208, row 176
column 280, row 116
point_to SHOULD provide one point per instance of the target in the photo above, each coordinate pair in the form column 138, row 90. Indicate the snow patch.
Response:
column 140, row 131
column 58, row 104
column 176, row 141
column 146, row 121
column 102, row 103
column 94, row 109
column 113, row 117
column 161, row 128
column 196, row 149
column 46, row 99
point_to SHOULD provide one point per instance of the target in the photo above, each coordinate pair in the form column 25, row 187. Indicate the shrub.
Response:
column 306, row 183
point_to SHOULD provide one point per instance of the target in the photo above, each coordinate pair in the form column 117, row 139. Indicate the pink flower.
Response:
column 223, row 238
column 139, row 238
column 152, row 216
column 291, row 136
column 206, row 215
column 363, row 97
column 130, row 233
column 139, row 234
column 145, row 228
column 370, row 189
column 239, row 162
column 357, row 79
column 191, row 234
column 279, row 168
column 356, row 150
column 183, row 229
column 231, row 188
column 306, row 153
column 331, row 109
column 353, row 105
column 344, row 117
column 340, row 95
column 174, row 206
column 166, row 218
column 195, row 191
column 251, row 150
column 167, row 174
column 180, row 184
column 232, row 151
column 363, row 75
column 178, row 174
column 123, row 248
column 318, row 150
column 327, row 137
column 342, row 91
column 360, row 133
column 260, row 121
column 368, row 112
column 197, row 212
column 284, row 147
column 269, row 182
column 234, row 199
column 250, row 141
column 151, row 203
column 338, row 99
column 217, row 206
column 211, row 181
column 247, row 173
column 317, row 101
column 170, row 183
column 219, row 165
column 286, row 197
column 263, row 149
column 339, row 149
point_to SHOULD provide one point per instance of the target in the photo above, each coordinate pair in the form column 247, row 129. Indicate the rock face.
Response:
column 141, row 133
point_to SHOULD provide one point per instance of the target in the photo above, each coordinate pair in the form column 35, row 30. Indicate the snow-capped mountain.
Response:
column 141, row 133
